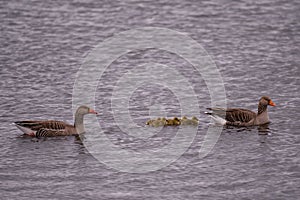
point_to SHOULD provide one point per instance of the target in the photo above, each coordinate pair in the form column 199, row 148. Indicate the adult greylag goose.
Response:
column 242, row 117
column 53, row 128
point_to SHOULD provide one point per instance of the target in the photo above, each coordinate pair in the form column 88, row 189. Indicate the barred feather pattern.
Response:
column 36, row 125
column 241, row 115
column 51, row 133
column 49, row 128
column 234, row 114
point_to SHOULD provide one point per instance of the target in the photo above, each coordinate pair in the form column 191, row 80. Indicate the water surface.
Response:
column 255, row 46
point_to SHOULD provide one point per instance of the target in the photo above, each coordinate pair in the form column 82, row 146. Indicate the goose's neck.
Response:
column 78, row 124
column 261, row 109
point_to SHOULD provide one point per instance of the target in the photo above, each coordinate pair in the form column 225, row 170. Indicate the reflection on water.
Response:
column 263, row 129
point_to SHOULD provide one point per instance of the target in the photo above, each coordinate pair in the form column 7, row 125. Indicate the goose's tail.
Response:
column 216, row 118
column 25, row 130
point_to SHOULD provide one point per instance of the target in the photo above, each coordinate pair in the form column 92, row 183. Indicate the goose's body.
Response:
column 242, row 117
column 53, row 128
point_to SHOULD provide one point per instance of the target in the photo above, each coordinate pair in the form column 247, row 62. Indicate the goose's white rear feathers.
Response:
column 218, row 120
column 24, row 129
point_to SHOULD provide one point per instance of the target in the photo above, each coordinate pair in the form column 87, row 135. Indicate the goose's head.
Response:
column 83, row 110
column 266, row 101
column 176, row 121
column 169, row 122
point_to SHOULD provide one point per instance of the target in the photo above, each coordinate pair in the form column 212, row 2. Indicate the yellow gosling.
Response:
column 184, row 120
column 176, row 121
column 194, row 121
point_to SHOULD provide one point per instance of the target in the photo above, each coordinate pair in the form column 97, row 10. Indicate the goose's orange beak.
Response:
column 271, row 103
column 93, row 112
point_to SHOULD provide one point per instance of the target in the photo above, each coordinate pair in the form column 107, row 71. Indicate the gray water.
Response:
column 255, row 46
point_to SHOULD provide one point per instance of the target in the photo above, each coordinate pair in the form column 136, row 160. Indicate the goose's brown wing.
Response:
column 45, row 132
column 234, row 114
column 37, row 125
column 239, row 114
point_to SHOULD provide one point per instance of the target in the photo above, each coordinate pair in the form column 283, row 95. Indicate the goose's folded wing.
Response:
column 234, row 114
column 239, row 114
column 37, row 125
column 44, row 132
